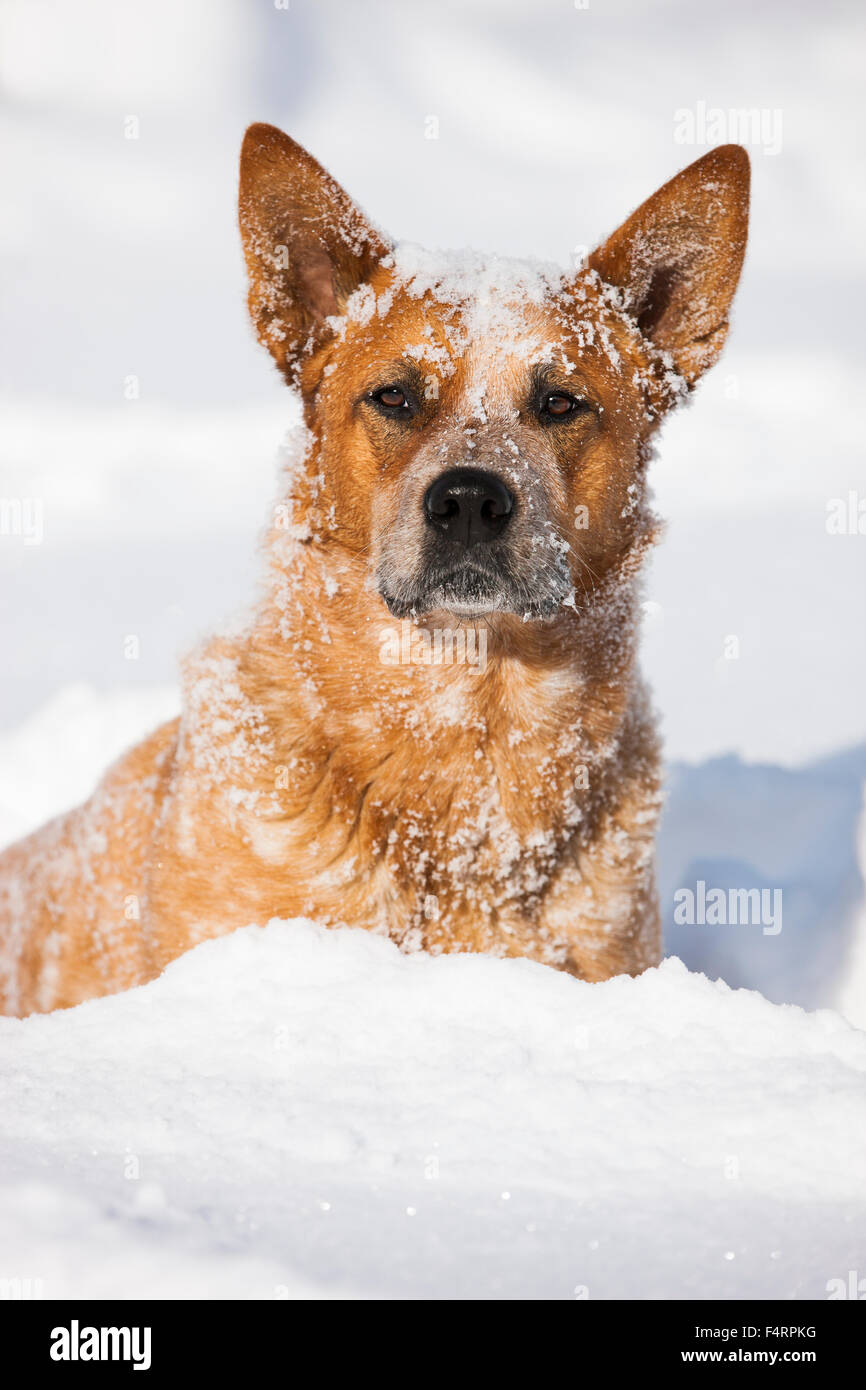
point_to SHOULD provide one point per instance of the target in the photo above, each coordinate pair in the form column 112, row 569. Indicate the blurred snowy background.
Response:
column 139, row 413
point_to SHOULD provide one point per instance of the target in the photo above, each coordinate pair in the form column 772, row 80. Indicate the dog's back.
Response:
column 73, row 894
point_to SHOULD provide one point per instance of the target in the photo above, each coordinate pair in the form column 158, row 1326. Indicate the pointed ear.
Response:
column 677, row 259
column 307, row 246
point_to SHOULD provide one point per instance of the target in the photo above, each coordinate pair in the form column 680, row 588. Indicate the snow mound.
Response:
column 295, row 1112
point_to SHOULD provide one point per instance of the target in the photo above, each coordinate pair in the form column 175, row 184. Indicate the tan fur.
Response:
column 509, row 809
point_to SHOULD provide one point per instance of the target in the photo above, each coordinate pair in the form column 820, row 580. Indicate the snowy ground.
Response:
column 261, row 1120
column 293, row 1111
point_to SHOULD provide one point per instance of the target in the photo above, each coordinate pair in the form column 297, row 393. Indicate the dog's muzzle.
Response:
column 474, row 552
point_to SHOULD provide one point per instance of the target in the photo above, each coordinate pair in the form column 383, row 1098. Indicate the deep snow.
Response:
column 292, row 1111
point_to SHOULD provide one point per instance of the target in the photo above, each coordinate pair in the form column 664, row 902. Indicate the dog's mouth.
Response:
column 468, row 591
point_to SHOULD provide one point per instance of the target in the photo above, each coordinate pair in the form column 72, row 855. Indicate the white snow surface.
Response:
column 296, row 1112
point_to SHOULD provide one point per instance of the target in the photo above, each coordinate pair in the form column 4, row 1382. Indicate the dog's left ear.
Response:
column 306, row 244
column 677, row 259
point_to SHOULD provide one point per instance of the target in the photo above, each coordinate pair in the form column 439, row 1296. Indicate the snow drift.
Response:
column 295, row 1112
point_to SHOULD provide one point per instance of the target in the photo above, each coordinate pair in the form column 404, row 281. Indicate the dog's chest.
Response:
column 411, row 839
column 459, row 820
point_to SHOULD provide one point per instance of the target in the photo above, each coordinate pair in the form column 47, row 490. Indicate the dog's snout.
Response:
column 468, row 506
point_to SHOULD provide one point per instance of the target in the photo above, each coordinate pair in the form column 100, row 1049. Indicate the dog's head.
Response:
column 482, row 425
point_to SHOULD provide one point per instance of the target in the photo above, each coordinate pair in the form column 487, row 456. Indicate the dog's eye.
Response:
column 557, row 405
column 391, row 397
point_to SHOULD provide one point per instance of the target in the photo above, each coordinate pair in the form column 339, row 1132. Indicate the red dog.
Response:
column 434, row 726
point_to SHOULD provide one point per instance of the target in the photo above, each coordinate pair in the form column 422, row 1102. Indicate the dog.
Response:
column 470, row 477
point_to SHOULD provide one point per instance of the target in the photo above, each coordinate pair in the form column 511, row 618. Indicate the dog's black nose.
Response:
column 468, row 506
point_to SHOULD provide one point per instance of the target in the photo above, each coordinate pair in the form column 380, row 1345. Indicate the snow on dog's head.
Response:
column 487, row 422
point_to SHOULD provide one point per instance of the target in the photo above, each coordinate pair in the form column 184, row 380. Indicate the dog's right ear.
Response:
column 677, row 260
column 307, row 246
